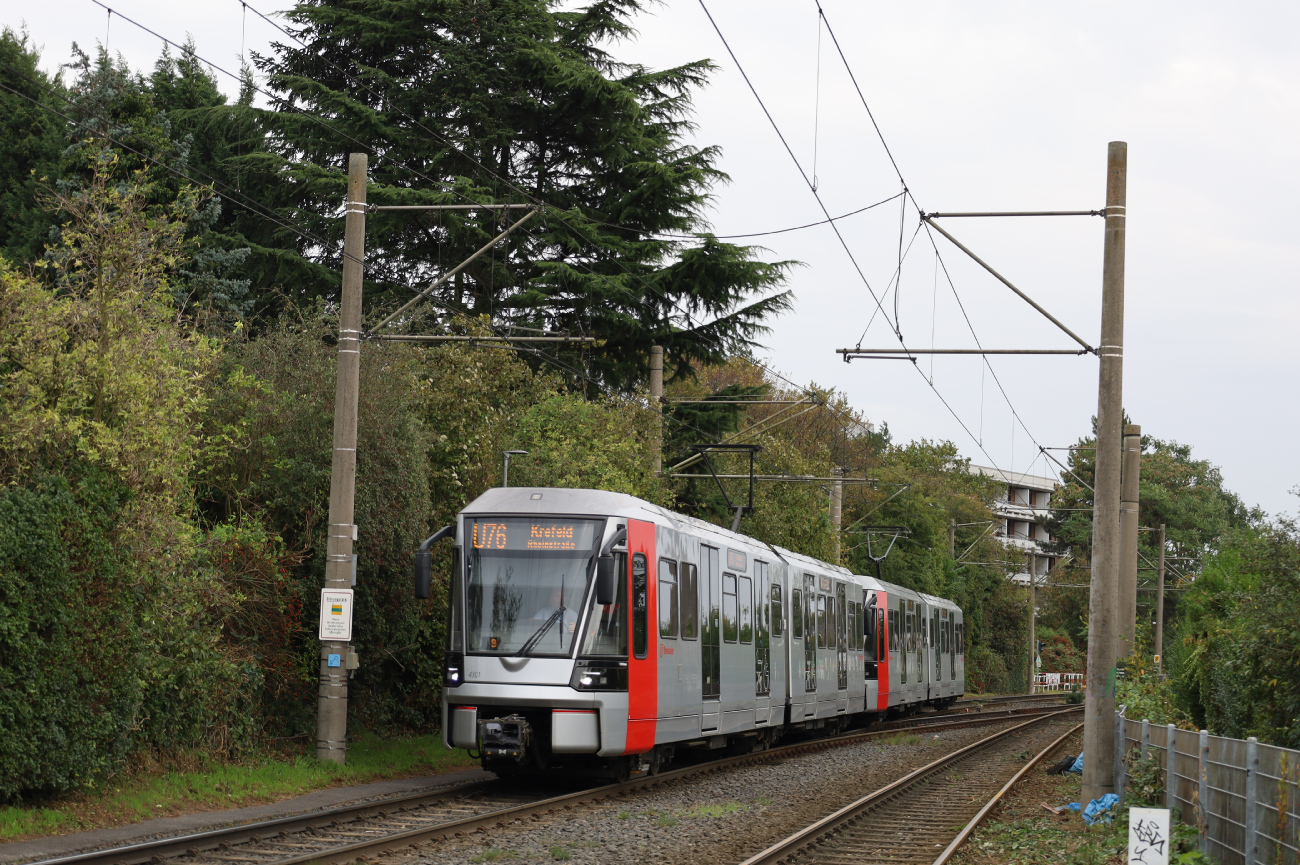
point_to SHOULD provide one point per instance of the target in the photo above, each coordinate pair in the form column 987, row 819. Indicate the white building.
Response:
column 1021, row 511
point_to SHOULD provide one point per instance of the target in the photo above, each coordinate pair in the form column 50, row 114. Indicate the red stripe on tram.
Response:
column 642, row 673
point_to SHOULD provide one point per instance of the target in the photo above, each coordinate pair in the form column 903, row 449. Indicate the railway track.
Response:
column 344, row 834
column 1056, row 696
column 919, row 818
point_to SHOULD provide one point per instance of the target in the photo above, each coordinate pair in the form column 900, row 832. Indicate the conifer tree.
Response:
column 31, row 138
column 476, row 101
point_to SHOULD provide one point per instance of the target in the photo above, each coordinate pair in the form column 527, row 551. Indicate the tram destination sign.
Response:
column 522, row 534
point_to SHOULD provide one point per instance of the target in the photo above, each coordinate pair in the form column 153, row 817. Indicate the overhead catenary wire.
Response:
column 795, row 159
column 906, row 190
column 920, row 211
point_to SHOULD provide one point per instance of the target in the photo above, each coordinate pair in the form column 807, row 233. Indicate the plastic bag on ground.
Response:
column 1077, row 768
column 1100, row 809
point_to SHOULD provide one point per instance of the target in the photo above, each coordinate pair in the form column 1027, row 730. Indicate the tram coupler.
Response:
column 505, row 737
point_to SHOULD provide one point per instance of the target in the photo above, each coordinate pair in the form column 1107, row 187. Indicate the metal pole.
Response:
column 1033, row 614
column 952, row 538
column 1099, row 706
column 1160, row 606
column 1251, row 845
column 1126, row 635
column 1203, row 789
column 1171, row 779
column 837, row 510
column 332, row 694
column 657, row 403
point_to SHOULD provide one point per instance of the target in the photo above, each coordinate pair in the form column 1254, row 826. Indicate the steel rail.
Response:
column 799, row 843
column 224, row 839
column 966, row 831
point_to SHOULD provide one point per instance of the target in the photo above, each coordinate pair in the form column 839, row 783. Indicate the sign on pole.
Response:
column 336, row 615
column 1148, row 836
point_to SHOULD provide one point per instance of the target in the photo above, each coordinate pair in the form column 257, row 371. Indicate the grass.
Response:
column 666, row 820
column 561, row 853
column 1025, row 833
column 900, row 739
column 210, row 785
column 491, row 855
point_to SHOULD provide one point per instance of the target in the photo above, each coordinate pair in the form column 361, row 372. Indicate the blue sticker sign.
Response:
column 334, row 661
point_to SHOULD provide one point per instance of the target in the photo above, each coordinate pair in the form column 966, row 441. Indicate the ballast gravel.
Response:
column 732, row 814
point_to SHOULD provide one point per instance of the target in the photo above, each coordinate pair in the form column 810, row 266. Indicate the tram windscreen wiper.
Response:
column 541, row 632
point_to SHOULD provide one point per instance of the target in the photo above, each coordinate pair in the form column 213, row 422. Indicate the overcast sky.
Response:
column 988, row 106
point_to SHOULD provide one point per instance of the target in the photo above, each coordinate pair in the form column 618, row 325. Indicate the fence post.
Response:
column 1252, row 781
column 1203, row 793
column 1146, row 739
column 1121, row 733
column 1170, row 778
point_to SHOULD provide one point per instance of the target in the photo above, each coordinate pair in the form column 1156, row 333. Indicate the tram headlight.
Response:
column 453, row 663
column 590, row 675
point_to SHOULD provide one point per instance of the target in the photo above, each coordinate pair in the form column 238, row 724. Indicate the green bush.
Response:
column 68, row 684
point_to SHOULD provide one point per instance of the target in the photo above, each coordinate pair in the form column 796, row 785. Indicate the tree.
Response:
column 31, row 139
column 513, row 101
column 1184, row 493
column 1240, row 642
column 112, row 619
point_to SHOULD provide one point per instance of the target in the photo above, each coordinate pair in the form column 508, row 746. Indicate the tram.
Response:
column 595, row 631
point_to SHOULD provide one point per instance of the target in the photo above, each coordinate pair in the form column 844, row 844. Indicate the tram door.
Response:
column 798, row 633
column 936, row 649
column 762, row 644
column 841, row 650
column 710, row 639
column 812, row 635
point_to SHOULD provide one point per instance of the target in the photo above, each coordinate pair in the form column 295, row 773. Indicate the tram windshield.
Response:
column 525, row 581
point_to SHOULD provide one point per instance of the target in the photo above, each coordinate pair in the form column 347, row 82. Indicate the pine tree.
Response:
column 476, row 101
column 31, row 138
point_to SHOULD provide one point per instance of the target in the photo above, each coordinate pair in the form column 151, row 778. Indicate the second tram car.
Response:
column 592, row 630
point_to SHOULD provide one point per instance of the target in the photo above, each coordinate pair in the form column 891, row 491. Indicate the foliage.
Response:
column 514, row 100
column 1144, row 780
column 1238, row 676
column 276, row 404
column 31, row 138
column 572, row 442
column 1145, row 693
column 103, row 389
column 1059, row 654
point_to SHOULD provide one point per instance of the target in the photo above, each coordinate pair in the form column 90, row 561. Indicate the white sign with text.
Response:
column 336, row 615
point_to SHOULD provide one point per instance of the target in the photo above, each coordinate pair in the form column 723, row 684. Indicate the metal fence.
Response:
column 1241, row 795
column 1050, row 682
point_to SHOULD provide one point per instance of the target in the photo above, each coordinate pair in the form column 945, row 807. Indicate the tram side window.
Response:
column 746, row 611
column 892, row 617
column 640, row 606
column 796, row 614
column 729, row 617
column 857, row 625
column 821, row 621
column 689, row 601
column 667, row 598
column 869, row 632
column 777, row 610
